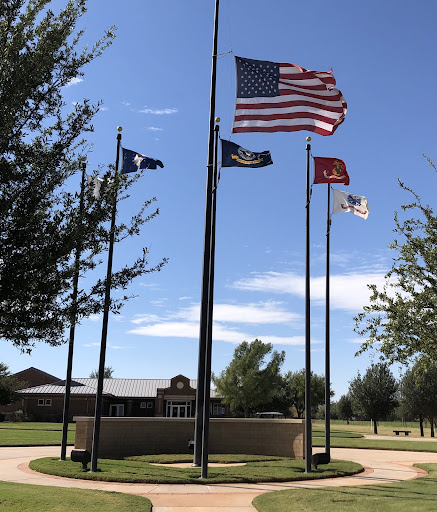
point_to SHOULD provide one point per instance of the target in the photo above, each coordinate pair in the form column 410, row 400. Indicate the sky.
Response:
column 154, row 81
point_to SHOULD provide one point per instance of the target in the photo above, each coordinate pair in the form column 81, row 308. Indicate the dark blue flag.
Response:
column 234, row 155
column 133, row 162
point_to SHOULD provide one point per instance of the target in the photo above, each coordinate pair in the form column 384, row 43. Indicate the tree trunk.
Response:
column 431, row 421
column 421, row 425
column 375, row 427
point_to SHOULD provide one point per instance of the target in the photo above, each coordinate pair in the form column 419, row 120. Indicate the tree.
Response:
column 41, row 142
column 402, row 317
column 344, row 408
column 107, row 373
column 418, row 392
column 374, row 395
column 249, row 381
column 296, row 388
column 8, row 386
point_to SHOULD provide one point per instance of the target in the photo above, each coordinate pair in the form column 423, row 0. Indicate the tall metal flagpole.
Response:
column 308, row 430
column 208, row 354
column 99, row 395
column 327, row 339
column 73, row 320
column 200, row 397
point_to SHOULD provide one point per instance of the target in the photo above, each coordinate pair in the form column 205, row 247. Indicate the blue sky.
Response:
column 154, row 81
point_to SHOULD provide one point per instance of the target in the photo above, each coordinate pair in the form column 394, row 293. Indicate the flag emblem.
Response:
column 345, row 202
column 330, row 170
column 234, row 155
column 133, row 162
column 282, row 97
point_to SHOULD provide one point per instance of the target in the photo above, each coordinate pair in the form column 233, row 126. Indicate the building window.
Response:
column 178, row 409
column 143, row 405
column 116, row 410
column 216, row 409
column 47, row 401
column 149, row 405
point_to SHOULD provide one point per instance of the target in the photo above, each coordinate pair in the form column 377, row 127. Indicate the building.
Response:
column 174, row 398
column 29, row 378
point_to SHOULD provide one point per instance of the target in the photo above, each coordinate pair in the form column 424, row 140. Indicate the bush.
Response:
column 2, row 417
column 18, row 416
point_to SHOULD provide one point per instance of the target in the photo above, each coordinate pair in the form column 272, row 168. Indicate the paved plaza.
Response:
column 381, row 466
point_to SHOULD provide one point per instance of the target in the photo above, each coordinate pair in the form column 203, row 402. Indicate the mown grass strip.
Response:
column 15, row 437
column 418, row 495
column 37, row 498
column 140, row 471
column 378, row 444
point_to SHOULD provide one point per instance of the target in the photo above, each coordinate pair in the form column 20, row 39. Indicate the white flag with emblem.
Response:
column 346, row 202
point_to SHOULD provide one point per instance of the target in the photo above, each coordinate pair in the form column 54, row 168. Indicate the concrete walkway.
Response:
column 381, row 467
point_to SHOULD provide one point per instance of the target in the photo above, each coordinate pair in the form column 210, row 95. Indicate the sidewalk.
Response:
column 381, row 467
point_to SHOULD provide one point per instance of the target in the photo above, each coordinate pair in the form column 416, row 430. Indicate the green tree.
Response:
column 8, row 386
column 250, row 381
column 374, row 395
column 402, row 316
column 108, row 372
column 41, row 143
column 296, row 388
column 344, row 408
column 418, row 395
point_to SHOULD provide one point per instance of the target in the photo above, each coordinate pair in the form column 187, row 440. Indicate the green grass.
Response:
column 34, row 425
column 418, row 495
column 139, row 470
column 337, row 433
column 377, row 444
column 34, row 434
column 37, row 498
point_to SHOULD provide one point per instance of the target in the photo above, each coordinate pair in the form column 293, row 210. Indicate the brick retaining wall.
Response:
column 121, row 437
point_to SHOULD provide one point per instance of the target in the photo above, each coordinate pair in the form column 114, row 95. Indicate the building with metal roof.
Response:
column 121, row 397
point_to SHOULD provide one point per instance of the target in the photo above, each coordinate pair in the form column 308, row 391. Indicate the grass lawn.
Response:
column 418, row 495
column 37, row 498
column 351, row 436
column 34, row 434
column 139, row 470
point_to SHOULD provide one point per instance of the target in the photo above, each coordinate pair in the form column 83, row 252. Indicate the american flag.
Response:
column 280, row 97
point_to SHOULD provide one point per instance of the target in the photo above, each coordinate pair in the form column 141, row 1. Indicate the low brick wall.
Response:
column 122, row 437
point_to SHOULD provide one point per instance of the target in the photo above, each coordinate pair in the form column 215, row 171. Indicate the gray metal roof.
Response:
column 127, row 388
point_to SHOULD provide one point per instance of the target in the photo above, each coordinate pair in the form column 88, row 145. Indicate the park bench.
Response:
column 406, row 432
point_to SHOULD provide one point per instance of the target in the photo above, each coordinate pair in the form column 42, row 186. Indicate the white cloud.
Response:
column 94, row 318
column 185, row 298
column 74, row 81
column 157, row 111
column 154, row 129
column 220, row 333
column 145, row 319
column 347, row 291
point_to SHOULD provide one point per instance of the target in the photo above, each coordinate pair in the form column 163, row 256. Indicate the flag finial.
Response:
column 308, row 139
column 119, row 128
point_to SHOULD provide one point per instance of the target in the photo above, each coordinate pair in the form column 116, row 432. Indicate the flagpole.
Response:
column 327, row 337
column 99, row 395
column 200, row 395
column 208, row 353
column 73, row 320
column 308, row 430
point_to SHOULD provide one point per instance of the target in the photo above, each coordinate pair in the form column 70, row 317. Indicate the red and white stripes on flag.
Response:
column 281, row 97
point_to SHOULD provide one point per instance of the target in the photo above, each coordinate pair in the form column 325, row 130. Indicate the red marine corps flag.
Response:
column 330, row 170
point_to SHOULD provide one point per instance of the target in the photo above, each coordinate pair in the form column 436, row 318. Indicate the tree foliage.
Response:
column 8, row 386
column 41, row 142
column 296, row 388
column 344, row 408
column 108, row 372
column 374, row 396
column 402, row 316
column 418, row 394
column 250, row 381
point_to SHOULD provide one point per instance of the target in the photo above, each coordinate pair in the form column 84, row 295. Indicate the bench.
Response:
column 406, row 432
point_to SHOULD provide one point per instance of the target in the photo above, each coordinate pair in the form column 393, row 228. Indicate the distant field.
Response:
column 34, row 434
